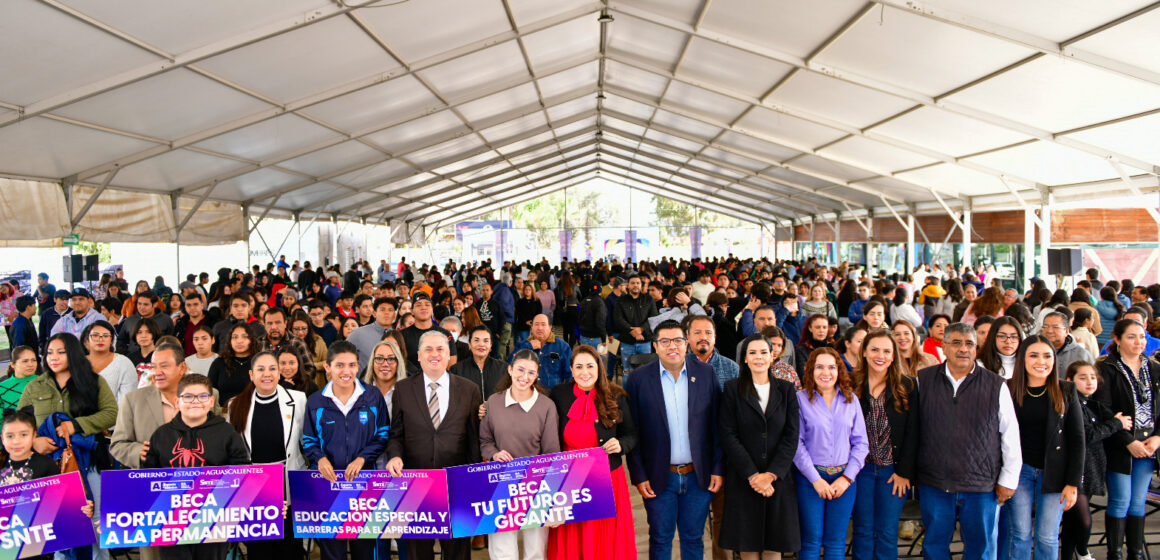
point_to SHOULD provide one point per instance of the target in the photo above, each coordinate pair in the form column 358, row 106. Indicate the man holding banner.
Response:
column 677, row 465
column 346, row 428
column 434, row 425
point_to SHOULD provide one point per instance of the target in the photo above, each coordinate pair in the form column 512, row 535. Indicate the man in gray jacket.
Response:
column 1066, row 348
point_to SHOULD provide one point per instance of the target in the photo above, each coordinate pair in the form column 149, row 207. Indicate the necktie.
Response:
column 433, row 403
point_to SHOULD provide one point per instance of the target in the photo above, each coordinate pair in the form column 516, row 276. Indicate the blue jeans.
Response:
column 823, row 522
column 1044, row 529
column 1127, row 493
column 627, row 350
column 977, row 514
column 681, row 508
column 876, row 514
column 521, row 336
column 591, row 341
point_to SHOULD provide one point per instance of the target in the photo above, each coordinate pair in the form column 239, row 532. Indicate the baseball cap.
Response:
column 81, row 292
column 418, row 296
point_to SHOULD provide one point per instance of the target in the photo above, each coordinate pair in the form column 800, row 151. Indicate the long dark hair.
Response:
column 239, row 406
column 894, row 373
column 1018, row 382
column 607, row 392
column 228, row 356
column 506, row 382
column 83, row 385
column 989, row 354
column 311, row 336
column 1109, row 294
column 744, row 374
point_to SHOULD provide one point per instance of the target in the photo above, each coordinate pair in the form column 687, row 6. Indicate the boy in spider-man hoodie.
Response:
column 194, row 438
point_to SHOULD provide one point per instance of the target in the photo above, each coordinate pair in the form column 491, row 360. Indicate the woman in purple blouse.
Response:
column 832, row 448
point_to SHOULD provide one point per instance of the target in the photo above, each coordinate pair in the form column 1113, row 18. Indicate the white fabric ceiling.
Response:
column 428, row 111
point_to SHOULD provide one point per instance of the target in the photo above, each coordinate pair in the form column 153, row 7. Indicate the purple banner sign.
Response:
column 160, row 507
column 530, row 492
column 43, row 516
column 373, row 505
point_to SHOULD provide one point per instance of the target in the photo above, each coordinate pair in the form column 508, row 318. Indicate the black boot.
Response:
column 1134, row 537
column 1115, row 533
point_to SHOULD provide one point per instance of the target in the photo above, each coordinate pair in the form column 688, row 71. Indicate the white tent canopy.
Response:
column 179, row 116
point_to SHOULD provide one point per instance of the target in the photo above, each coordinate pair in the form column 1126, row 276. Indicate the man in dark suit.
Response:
column 434, row 425
column 677, row 466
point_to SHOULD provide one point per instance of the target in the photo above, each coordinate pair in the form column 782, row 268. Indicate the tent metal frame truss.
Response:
column 422, row 113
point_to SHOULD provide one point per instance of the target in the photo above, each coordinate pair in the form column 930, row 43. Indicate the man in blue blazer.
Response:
column 677, row 465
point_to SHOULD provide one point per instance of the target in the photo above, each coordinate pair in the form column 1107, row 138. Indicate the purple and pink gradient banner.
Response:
column 43, row 516
column 530, row 492
column 161, row 507
column 373, row 505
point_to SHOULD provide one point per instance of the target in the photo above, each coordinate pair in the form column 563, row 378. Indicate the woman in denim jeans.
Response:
column 832, row 448
column 885, row 393
column 1131, row 388
column 1052, row 442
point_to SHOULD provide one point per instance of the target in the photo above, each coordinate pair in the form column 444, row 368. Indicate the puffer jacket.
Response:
column 1098, row 425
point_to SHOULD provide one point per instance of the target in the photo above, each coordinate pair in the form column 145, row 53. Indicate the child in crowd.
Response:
column 1099, row 424
column 196, row 437
column 19, row 463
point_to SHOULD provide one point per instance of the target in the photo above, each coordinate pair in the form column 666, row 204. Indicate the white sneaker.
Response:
column 1087, row 556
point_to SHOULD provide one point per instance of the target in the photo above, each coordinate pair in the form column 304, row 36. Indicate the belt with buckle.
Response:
column 681, row 469
column 831, row 470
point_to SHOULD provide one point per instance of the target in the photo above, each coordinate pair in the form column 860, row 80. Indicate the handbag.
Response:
column 68, row 460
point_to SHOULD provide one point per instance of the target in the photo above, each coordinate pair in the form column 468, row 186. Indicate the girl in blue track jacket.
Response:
column 346, row 429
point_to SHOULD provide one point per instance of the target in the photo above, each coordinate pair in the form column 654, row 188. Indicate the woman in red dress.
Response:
column 594, row 413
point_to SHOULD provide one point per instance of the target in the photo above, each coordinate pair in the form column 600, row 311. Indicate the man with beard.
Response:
column 276, row 339
column 630, row 318
column 702, row 335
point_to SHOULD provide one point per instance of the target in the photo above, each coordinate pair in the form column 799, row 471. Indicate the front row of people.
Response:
column 1007, row 460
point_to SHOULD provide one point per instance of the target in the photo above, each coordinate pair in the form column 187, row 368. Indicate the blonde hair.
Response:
column 400, row 372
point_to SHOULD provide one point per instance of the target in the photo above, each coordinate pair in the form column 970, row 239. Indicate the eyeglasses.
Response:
column 1053, row 327
column 1007, row 337
column 379, row 360
column 670, row 341
column 100, row 336
column 968, row 344
column 189, row 398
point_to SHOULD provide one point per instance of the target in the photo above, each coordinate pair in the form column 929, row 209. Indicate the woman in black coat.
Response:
column 594, row 413
column 758, row 423
column 1131, row 387
column 1051, row 439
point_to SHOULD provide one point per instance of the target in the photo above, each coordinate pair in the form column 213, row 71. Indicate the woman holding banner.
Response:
column 277, row 414
column 518, row 424
column 759, row 436
column 594, row 412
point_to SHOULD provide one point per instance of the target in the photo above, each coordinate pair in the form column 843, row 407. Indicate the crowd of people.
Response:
column 782, row 401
